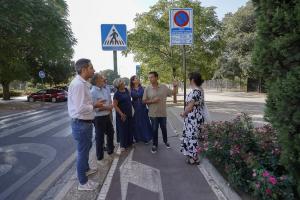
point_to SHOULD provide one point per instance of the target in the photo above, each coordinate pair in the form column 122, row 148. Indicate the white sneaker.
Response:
column 102, row 162
column 90, row 185
column 91, row 171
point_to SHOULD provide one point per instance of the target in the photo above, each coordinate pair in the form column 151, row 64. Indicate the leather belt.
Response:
column 83, row 120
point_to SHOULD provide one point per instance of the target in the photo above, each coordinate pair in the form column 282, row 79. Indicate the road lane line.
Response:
column 64, row 132
column 32, row 124
column 43, row 187
column 16, row 114
column 47, row 153
column 47, row 128
column 24, row 119
column 106, row 185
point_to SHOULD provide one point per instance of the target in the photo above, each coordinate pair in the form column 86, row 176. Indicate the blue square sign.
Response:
column 114, row 37
column 181, row 26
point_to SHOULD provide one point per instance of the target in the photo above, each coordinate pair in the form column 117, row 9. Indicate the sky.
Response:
column 86, row 16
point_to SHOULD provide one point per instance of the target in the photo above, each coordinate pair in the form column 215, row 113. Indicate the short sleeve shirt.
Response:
column 157, row 109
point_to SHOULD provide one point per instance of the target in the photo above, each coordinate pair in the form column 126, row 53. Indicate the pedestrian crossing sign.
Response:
column 114, row 37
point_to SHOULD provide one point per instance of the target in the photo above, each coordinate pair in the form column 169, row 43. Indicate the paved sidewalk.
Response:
column 139, row 174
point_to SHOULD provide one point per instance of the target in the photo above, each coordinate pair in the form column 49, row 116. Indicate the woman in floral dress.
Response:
column 193, row 119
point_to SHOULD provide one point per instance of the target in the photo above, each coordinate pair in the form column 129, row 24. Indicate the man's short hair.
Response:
column 154, row 73
column 81, row 63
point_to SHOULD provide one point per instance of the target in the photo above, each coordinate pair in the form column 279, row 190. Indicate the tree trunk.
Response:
column 174, row 76
column 6, row 94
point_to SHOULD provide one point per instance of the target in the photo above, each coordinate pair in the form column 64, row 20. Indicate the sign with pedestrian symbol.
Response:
column 181, row 26
column 114, row 37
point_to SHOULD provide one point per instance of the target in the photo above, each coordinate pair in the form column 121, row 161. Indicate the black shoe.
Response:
column 154, row 149
column 167, row 145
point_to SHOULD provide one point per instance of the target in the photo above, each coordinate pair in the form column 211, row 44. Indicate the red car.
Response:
column 52, row 95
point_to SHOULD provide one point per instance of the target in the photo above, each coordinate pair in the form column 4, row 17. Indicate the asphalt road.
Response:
column 33, row 145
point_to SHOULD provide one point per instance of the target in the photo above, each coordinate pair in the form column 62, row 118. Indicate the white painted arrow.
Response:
column 141, row 175
column 45, row 152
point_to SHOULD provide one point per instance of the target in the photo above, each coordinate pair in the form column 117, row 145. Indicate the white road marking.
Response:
column 29, row 125
column 106, row 185
column 65, row 132
column 5, row 168
column 46, row 152
column 47, row 128
column 14, row 122
column 39, row 191
column 16, row 114
column 141, row 175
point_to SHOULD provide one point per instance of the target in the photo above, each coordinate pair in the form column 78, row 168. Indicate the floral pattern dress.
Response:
column 192, row 124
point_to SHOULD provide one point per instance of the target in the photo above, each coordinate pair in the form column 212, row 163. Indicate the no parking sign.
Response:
column 181, row 26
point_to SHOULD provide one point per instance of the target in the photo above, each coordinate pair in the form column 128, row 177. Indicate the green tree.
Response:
column 238, row 35
column 277, row 58
column 33, row 35
column 149, row 41
column 110, row 75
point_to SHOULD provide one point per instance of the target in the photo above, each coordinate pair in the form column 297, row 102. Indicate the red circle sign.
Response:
column 181, row 18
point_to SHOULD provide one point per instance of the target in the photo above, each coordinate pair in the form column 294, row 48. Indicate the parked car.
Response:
column 61, row 87
column 52, row 95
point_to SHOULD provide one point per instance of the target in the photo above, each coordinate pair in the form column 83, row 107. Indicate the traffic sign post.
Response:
column 42, row 75
column 114, row 38
column 181, row 26
column 138, row 70
column 181, row 33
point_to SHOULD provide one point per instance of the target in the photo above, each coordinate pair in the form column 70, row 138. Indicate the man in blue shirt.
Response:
column 102, row 122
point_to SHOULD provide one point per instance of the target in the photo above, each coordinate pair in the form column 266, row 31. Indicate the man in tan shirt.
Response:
column 155, row 96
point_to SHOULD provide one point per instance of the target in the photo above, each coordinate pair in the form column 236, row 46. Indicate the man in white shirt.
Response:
column 81, row 110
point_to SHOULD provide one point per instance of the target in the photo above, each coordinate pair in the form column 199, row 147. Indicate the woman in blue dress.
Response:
column 124, row 120
column 142, row 126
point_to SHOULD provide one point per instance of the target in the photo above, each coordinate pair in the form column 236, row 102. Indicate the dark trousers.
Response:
column 162, row 122
column 103, row 126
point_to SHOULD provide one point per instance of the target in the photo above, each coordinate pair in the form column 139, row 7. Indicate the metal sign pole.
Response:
column 115, row 62
column 184, row 73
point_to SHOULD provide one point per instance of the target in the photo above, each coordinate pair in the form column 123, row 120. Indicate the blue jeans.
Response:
column 82, row 133
column 162, row 122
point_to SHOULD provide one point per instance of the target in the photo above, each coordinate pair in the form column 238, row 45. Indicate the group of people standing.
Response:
column 139, row 113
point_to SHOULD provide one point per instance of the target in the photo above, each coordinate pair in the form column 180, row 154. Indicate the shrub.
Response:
column 283, row 111
column 245, row 153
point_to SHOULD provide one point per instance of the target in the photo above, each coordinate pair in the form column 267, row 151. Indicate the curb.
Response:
column 215, row 180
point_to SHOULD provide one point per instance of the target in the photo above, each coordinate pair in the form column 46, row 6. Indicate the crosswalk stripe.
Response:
column 29, row 125
column 26, row 119
column 47, row 128
column 64, row 132
column 16, row 114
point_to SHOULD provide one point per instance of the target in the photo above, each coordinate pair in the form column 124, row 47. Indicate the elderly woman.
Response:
column 124, row 120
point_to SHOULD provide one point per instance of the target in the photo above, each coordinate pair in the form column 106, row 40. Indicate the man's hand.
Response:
column 109, row 108
column 155, row 100
column 99, row 103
